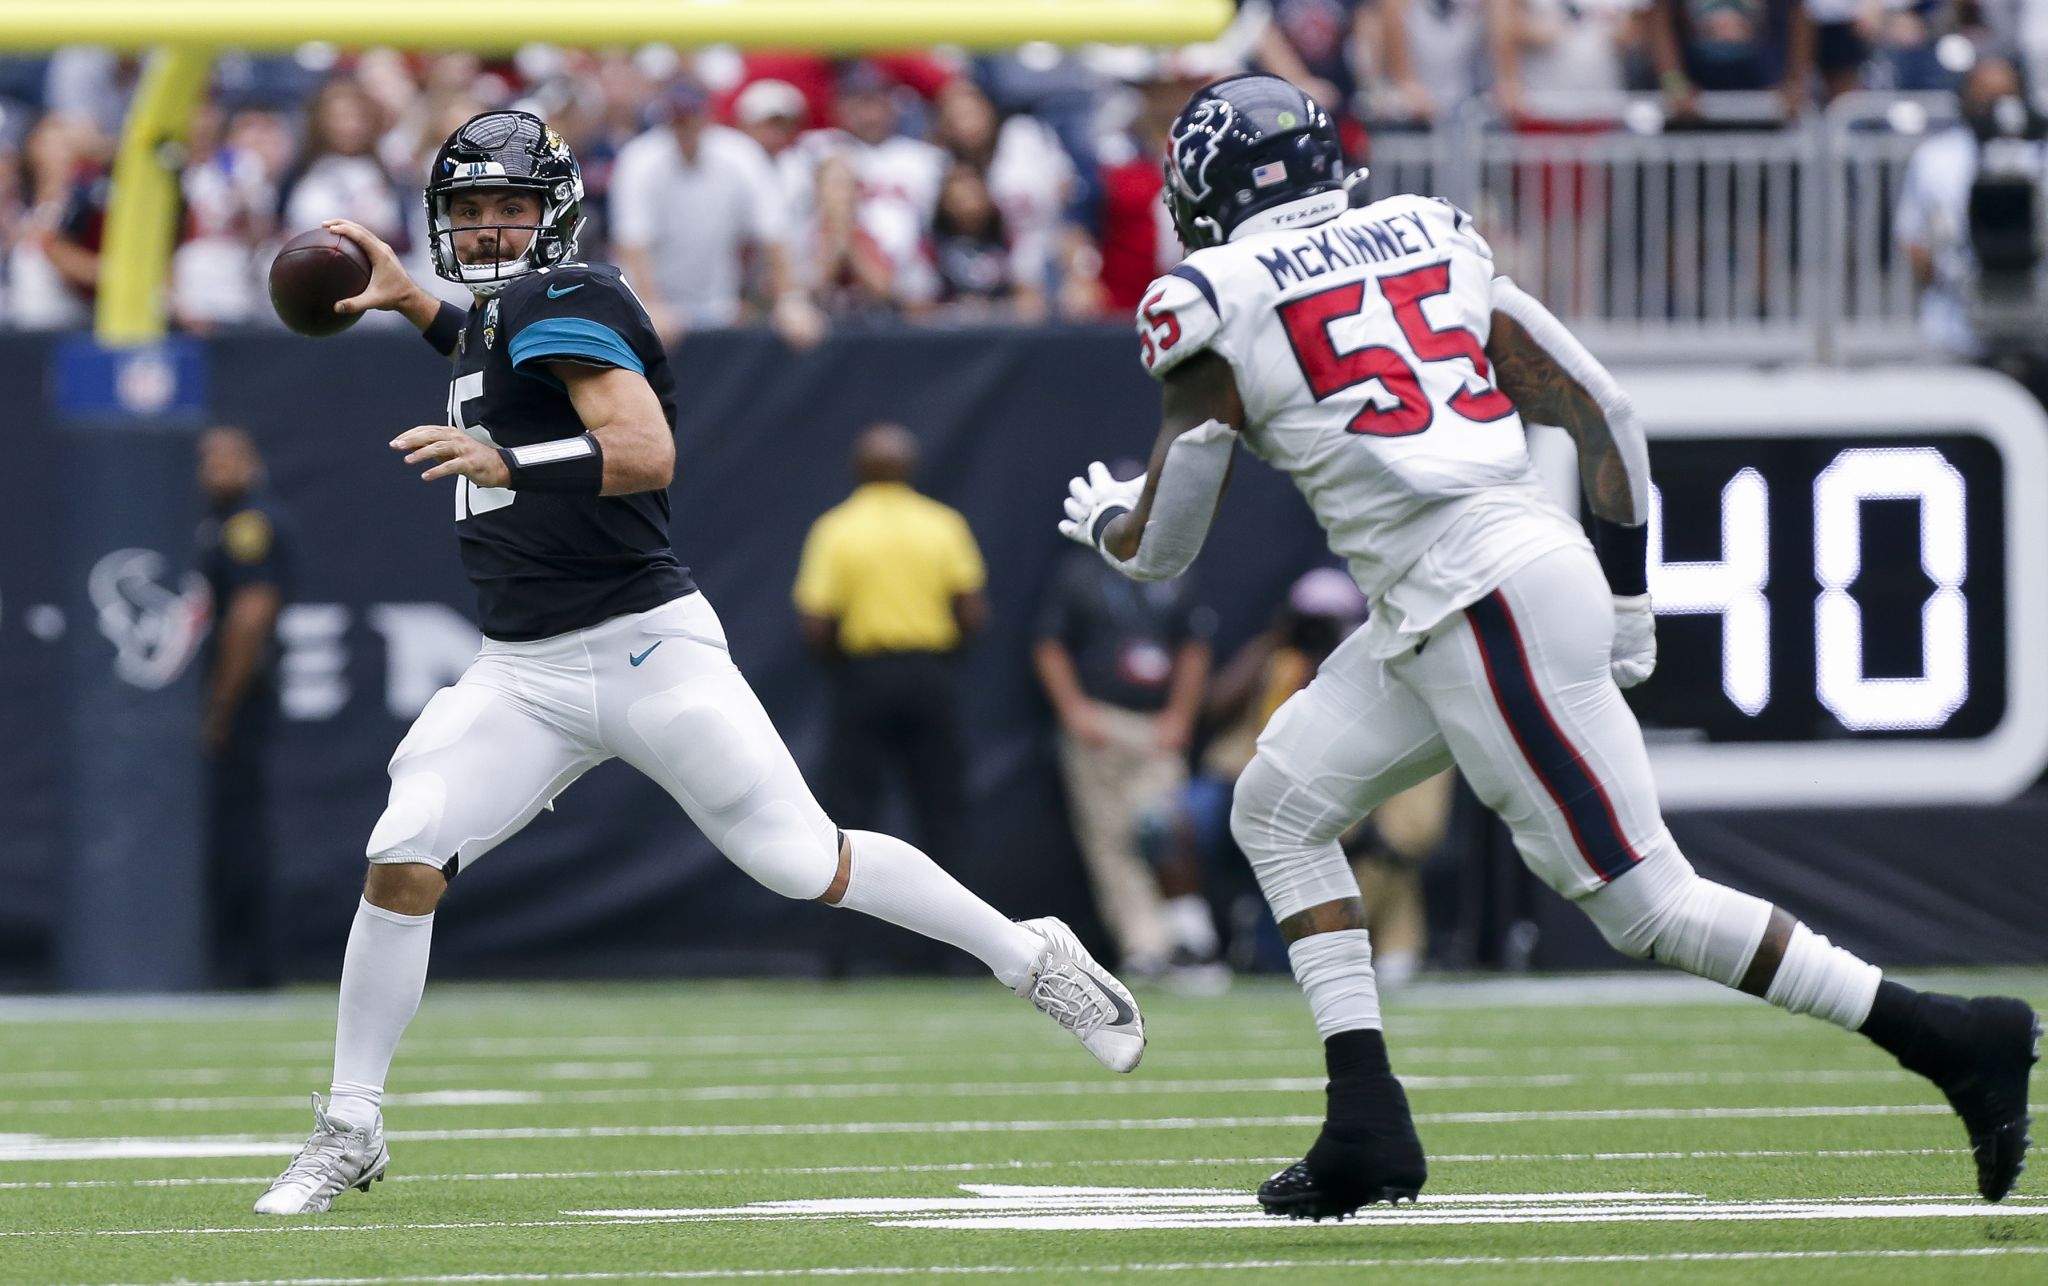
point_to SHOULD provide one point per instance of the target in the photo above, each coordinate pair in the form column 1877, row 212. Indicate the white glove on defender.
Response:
column 1090, row 495
column 1635, row 640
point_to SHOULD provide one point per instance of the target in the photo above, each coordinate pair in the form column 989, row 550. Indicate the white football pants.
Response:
column 657, row 689
column 1515, row 689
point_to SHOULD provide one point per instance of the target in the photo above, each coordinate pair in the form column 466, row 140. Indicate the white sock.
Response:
column 1335, row 972
column 892, row 881
column 1816, row 977
column 383, row 973
column 1188, row 916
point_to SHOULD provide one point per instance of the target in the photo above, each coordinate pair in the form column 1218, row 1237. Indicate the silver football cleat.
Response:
column 1069, row 987
column 335, row 1157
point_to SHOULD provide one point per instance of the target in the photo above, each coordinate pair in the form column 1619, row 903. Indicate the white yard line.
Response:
column 1054, row 1270
column 979, row 1167
column 756, row 1091
column 36, row 1147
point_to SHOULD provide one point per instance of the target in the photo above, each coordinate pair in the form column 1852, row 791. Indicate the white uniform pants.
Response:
column 657, row 689
column 1515, row 689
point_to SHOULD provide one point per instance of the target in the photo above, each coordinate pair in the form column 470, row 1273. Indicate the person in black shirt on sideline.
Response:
column 245, row 551
column 560, row 438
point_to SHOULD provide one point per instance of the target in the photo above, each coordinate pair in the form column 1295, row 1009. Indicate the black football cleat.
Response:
column 1995, row 1053
column 1296, row 1193
column 1353, row 1166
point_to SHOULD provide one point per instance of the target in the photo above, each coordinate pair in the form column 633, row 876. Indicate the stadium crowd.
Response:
column 788, row 189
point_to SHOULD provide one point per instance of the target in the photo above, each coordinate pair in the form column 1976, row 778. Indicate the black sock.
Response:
column 1364, row 1097
column 1916, row 1027
column 1369, row 1136
column 1350, row 1055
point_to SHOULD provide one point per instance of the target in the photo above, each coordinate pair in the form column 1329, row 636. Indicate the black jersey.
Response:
column 545, row 563
column 243, row 545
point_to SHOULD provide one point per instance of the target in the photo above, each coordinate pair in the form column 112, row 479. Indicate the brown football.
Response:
column 313, row 272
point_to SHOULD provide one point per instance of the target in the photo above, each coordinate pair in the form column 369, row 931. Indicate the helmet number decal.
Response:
column 1162, row 325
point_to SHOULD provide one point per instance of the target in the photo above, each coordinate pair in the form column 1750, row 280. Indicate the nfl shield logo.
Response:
column 1266, row 176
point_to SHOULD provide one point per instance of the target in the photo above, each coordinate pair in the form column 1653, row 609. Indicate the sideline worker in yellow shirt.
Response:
column 889, row 586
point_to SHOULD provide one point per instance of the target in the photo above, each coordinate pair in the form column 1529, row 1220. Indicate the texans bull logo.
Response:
column 1197, row 142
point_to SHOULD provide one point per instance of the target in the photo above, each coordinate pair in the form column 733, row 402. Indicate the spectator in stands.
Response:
column 821, row 81
column 13, row 207
column 1841, row 42
column 898, row 178
column 689, row 200
column 339, row 175
column 1321, row 46
column 1124, row 665
column 1028, row 176
column 844, row 265
column 230, row 193
column 1903, row 38
column 614, row 102
column 1932, row 224
column 1721, row 46
column 1559, row 63
column 93, row 84
column 53, row 268
column 1435, row 53
column 1119, row 238
column 888, row 590
column 772, row 113
column 970, row 249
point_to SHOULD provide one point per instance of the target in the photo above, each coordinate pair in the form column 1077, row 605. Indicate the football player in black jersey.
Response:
column 560, row 441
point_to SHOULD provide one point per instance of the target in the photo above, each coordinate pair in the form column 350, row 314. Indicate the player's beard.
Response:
column 498, row 252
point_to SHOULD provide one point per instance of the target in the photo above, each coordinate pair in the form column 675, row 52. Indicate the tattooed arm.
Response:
column 1552, row 379
column 1545, row 393
column 1551, row 388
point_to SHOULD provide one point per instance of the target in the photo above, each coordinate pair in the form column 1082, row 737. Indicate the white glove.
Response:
column 1090, row 495
column 1635, row 640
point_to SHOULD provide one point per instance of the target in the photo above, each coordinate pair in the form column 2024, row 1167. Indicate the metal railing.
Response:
column 1730, row 237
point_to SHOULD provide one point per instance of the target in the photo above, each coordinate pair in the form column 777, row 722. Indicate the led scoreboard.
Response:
column 1850, row 573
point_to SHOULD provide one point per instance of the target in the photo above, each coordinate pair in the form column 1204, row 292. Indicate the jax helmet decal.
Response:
column 505, row 150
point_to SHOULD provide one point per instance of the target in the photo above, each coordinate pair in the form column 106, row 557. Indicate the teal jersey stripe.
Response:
column 574, row 338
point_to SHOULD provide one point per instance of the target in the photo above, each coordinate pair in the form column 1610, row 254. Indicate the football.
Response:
column 313, row 272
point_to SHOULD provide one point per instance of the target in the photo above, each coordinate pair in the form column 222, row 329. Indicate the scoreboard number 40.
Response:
column 1850, row 570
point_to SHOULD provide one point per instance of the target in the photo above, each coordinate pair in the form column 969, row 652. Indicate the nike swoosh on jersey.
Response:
column 556, row 292
column 636, row 660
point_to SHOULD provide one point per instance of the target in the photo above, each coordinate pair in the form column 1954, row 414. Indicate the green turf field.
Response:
column 1586, row 1130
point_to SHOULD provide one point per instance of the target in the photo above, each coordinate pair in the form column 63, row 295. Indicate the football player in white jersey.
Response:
column 1373, row 354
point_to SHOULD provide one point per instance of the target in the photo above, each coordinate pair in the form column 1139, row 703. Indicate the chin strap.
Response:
column 1184, row 503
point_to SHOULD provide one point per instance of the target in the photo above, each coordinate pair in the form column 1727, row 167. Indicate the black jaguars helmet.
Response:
column 505, row 150
column 1246, row 147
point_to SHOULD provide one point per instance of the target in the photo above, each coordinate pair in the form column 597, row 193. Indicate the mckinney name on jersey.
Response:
column 545, row 564
column 1359, row 348
column 1344, row 244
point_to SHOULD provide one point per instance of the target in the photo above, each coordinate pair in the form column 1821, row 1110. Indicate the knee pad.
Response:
column 1274, row 821
column 410, row 828
column 1662, row 910
column 786, row 848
